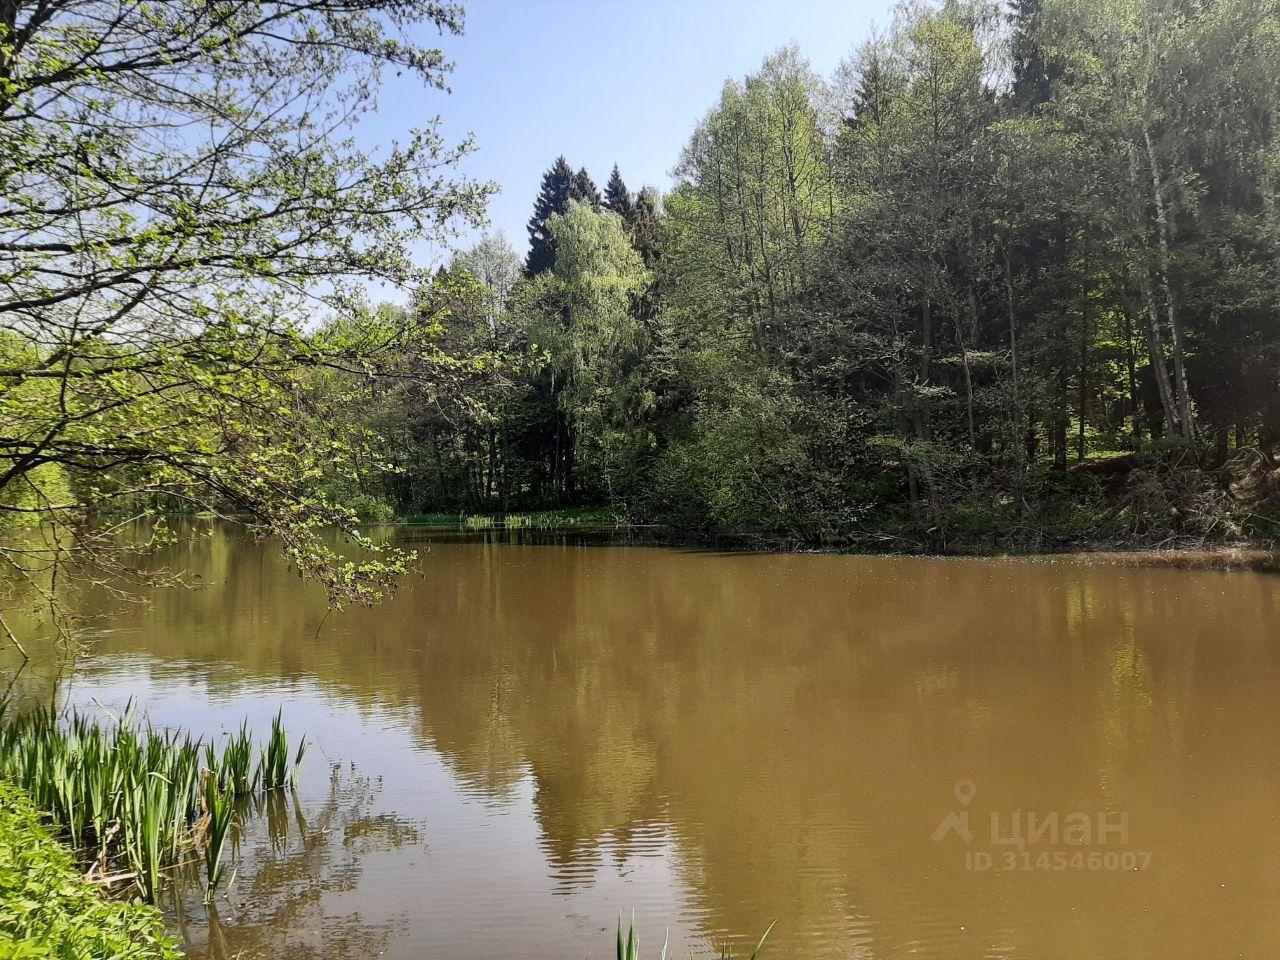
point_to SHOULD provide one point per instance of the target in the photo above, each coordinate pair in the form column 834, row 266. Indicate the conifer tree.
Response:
column 642, row 226
column 1033, row 72
column 617, row 197
column 584, row 190
column 874, row 90
column 558, row 185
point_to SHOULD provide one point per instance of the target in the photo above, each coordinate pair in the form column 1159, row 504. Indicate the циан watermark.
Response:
column 1027, row 840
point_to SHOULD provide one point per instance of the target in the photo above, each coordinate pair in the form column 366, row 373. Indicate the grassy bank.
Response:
column 48, row 910
column 523, row 520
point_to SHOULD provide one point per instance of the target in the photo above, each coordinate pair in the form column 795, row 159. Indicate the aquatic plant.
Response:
column 133, row 803
column 145, row 835
column 274, row 769
column 234, row 766
column 537, row 520
column 629, row 946
column 629, row 949
column 219, row 809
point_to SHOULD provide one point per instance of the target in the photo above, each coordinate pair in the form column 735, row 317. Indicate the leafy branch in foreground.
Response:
column 180, row 201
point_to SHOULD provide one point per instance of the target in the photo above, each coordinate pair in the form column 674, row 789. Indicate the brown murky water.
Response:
column 533, row 739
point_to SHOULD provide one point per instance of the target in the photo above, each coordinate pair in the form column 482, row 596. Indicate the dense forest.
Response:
column 1007, row 272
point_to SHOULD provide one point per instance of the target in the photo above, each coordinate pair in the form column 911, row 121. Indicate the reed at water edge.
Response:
column 132, row 802
column 629, row 946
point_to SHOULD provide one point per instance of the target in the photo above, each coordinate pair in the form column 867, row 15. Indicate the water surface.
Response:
column 532, row 739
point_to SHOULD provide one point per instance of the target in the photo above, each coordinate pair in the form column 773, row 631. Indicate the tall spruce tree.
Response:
column 874, row 85
column 1034, row 73
column 584, row 190
column 558, row 187
column 617, row 198
column 642, row 227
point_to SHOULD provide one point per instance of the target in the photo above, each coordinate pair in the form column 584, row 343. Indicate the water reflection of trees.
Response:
column 287, row 865
column 794, row 724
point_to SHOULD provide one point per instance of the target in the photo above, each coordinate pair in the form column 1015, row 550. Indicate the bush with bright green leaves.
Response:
column 48, row 911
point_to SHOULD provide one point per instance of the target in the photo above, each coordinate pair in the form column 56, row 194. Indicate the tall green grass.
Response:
column 510, row 521
column 219, row 808
column 132, row 802
column 277, row 770
column 629, row 946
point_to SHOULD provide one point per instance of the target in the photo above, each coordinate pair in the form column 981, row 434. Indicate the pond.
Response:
column 891, row 757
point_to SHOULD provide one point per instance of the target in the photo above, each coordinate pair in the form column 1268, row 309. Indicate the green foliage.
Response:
column 277, row 768
column 553, row 200
column 595, row 341
column 48, row 910
column 867, row 312
column 536, row 519
column 135, row 802
column 45, row 484
column 742, row 460
column 156, row 322
column 365, row 507
column 219, row 807
column 617, row 198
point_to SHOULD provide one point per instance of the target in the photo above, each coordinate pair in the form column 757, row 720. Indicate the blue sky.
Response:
column 609, row 81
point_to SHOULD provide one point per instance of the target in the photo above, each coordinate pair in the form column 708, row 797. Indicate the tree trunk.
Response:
column 491, row 478
column 1154, row 338
column 1013, row 326
column 926, row 350
column 1084, row 384
column 1131, row 369
column 1155, row 351
column 906, row 427
column 505, row 488
column 568, row 461
column 1061, row 416
column 1221, row 445
column 968, row 374
column 1182, row 393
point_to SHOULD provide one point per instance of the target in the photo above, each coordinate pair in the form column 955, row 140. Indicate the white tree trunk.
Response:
column 1182, row 393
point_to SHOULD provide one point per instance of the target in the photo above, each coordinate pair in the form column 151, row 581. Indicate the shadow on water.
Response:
column 584, row 535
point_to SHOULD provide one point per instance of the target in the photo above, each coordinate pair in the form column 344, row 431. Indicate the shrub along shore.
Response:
column 47, row 908
column 1161, row 503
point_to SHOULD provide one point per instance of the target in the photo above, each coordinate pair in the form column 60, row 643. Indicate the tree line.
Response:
column 942, row 288
column 1006, row 271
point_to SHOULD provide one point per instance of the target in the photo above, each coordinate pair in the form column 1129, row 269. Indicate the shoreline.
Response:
column 1260, row 556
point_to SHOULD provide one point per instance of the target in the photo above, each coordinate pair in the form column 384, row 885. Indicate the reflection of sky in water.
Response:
column 393, row 855
column 531, row 740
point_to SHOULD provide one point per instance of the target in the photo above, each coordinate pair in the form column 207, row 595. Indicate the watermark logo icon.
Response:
column 1031, row 840
column 957, row 821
